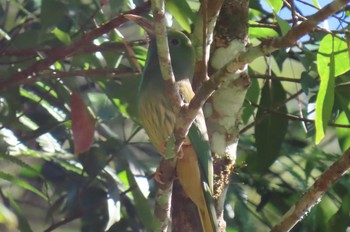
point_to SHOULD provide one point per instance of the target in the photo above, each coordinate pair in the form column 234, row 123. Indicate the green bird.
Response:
column 194, row 169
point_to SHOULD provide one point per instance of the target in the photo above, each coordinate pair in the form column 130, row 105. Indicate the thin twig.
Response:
column 265, row 48
column 87, row 49
column 287, row 79
column 59, row 53
column 296, row 118
column 314, row 194
column 276, row 107
column 167, row 166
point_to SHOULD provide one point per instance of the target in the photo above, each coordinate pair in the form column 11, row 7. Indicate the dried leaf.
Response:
column 83, row 125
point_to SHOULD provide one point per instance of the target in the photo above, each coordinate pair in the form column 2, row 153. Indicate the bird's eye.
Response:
column 175, row 41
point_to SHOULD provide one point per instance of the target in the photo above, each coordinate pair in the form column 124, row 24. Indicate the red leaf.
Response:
column 83, row 124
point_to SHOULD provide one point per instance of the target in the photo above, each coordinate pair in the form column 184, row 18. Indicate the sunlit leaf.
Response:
column 276, row 5
column 182, row 13
column 62, row 36
column 316, row 4
column 332, row 48
column 4, row 34
column 261, row 32
column 7, row 218
column 332, row 61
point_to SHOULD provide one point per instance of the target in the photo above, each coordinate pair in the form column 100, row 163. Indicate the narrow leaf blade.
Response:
column 270, row 129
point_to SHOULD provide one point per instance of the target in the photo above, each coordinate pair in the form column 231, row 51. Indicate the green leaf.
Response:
column 343, row 133
column 7, row 218
column 62, row 36
column 21, row 183
column 123, row 176
column 283, row 24
column 244, row 218
column 332, row 61
column 123, row 94
column 270, row 129
column 307, row 82
column 332, row 48
column 316, row 4
column 340, row 220
column 28, row 171
column 141, row 204
column 261, row 32
column 24, row 10
column 24, row 225
column 251, row 96
column 276, row 5
column 182, row 13
column 4, row 34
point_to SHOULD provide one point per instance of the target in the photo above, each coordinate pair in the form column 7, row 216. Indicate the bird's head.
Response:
column 182, row 54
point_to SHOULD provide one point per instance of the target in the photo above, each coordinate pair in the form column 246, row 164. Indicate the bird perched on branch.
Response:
column 158, row 117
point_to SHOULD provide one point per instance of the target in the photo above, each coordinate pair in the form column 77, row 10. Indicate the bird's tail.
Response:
column 189, row 175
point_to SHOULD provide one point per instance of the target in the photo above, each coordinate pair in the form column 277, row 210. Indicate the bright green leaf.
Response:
column 332, row 61
column 4, row 34
column 261, row 32
column 316, row 4
column 123, row 177
column 181, row 12
column 62, row 36
column 276, row 5
column 332, row 47
column 343, row 133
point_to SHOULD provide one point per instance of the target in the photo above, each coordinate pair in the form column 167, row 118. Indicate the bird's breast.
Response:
column 157, row 117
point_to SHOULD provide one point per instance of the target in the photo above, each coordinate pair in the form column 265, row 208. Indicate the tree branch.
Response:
column 32, row 52
column 59, row 53
column 108, row 73
column 314, row 194
column 167, row 166
column 158, row 10
column 265, row 48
